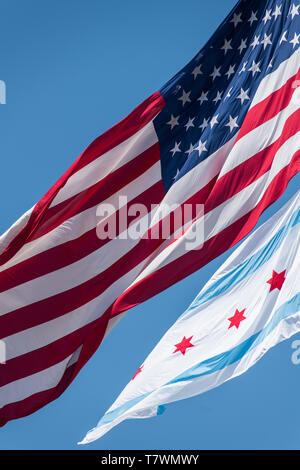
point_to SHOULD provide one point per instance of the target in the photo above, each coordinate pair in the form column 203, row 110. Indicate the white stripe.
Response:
column 79, row 224
column 107, row 163
column 13, row 231
column 41, row 381
column 266, row 231
column 275, row 80
column 198, row 177
column 231, row 210
column 27, row 386
column 41, row 335
column 113, row 322
column 229, row 157
column 258, row 139
column 69, row 276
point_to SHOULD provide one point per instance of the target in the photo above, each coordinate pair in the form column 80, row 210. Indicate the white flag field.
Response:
column 226, row 329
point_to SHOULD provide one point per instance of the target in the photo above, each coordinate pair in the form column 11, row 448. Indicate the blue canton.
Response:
column 207, row 101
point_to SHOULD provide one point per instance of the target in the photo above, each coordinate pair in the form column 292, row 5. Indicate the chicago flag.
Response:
column 249, row 305
column 224, row 133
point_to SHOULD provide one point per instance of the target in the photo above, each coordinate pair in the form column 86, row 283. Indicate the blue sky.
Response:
column 73, row 69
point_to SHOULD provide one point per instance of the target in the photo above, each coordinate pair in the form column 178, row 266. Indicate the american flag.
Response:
column 224, row 132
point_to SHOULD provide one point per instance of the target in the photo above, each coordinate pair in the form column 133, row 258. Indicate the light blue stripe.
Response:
column 218, row 362
column 230, row 279
column 114, row 414
column 235, row 354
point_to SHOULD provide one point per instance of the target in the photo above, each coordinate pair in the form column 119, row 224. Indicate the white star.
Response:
column 218, row 97
column 283, row 37
column 190, row 150
column 253, row 18
column 185, row 98
column 227, row 46
column 177, row 173
column 270, row 64
column 190, row 123
column 232, row 123
column 173, row 121
column 277, row 12
column 216, row 73
column 197, row 71
column 267, row 16
column 203, row 97
column 255, row 42
column 228, row 94
column 204, row 124
column 236, row 19
column 243, row 96
column 201, row 147
column 214, row 121
column 243, row 69
column 176, row 148
column 230, row 71
column 266, row 41
column 295, row 41
column 243, row 45
column 294, row 10
column 254, row 68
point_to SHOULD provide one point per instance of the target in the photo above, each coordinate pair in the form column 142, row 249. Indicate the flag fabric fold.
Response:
column 249, row 305
column 223, row 133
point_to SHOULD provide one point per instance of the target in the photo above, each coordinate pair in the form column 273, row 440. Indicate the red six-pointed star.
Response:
column 237, row 318
column 183, row 345
column 276, row 280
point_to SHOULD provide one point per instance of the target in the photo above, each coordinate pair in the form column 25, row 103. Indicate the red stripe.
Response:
column 126, row 128
column 99, row 192
column 221, row 189
column 38, row 400
column 66, row 301
column 35, row 402
column 182, row 267
column 251, row 169
column 43, row 358
column 142, row 115
column 269, row 107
